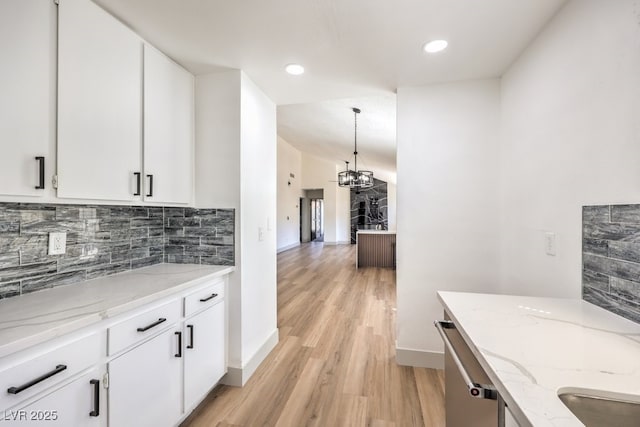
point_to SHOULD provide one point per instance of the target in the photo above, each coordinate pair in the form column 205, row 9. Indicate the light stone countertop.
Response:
column 33, row 318
column 531, row 348
column 375, row 232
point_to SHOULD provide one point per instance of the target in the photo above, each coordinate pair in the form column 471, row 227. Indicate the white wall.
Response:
column 258, row 211
column 236, row 168
column 217, row 136
column 447, row 198
column 318, row 173
column 570, row 135
column 288, row 215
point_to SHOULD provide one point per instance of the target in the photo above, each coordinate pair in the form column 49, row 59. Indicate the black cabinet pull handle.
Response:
column 40, row 161
column 154, row 324
column 209, row 298
column 137, row 174
column 190, row 327
column 23, row 387
column 150, row 185
column 96, row 398
column 179, row 353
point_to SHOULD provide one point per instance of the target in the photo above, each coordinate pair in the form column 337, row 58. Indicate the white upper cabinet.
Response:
column 168, row 129
column 27, row 100
column 99, row 104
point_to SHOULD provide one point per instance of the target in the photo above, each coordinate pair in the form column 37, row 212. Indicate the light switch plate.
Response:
column 550, row 243
column 57, row 243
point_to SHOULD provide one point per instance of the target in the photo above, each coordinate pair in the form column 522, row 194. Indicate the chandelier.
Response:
column 355, row 178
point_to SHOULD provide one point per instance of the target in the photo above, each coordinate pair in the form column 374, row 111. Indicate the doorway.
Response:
column 317, row 220
column 312, row 216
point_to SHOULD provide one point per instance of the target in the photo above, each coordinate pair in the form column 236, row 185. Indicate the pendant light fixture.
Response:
column 355, row 178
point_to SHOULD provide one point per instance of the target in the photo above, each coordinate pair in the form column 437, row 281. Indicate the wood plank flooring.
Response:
column 335, row 362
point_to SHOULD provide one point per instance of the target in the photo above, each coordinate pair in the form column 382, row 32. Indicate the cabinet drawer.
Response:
column 204, row 297
column 142, row 326
column 28, row 378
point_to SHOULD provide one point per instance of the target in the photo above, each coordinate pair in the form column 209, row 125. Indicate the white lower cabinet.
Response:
column 148, row 367
column 204, row 354
column 145, row 383
column 81, row 402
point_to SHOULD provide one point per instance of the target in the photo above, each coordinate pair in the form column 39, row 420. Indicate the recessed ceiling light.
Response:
column 294, row 69
column 435, row 46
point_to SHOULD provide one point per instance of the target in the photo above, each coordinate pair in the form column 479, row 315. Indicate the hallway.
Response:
column 335, row 362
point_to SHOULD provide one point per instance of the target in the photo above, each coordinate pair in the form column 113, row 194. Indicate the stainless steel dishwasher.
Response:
column 470, row 398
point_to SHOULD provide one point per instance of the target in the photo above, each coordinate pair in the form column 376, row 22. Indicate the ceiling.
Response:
column 351, row 49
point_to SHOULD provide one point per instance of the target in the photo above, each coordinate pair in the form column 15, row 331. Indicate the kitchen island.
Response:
column 375, row 248
column 532, row 349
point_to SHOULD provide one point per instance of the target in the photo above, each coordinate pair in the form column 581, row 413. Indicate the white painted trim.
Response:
column 238, row 377
column 419, row 358
column 286, row 248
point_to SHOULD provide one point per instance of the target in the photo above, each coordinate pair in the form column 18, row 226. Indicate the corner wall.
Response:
column 236, row 167
column 258, row 222
column 447, row 198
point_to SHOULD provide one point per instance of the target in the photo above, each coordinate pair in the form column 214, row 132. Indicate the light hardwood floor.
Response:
column 335, row 362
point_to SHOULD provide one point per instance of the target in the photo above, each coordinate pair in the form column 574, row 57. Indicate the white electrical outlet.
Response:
column 57, row 243
column 260, row 234
column 550, row 243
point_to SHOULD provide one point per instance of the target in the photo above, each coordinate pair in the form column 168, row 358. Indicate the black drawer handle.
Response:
column 96, row 398
column 40, row 161
column 150, row 185
column 137, row 174
column 190, row 327
column 209, row 298
column 153, row 325
column 179, row 353
column 23, row 387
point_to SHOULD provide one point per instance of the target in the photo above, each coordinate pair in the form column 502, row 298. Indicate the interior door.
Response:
column 317, row 222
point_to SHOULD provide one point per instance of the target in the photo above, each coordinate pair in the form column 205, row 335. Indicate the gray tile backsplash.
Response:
column 103, row 240
column 611, row 258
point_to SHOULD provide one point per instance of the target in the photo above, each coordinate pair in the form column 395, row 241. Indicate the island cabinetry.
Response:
column 375, row 249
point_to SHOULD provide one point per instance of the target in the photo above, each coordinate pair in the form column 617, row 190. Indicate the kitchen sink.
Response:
column 598, row 409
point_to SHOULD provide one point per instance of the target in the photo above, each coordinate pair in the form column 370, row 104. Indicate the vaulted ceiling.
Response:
column 354, row 52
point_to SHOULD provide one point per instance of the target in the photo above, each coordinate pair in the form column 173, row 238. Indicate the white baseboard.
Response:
column 238, row 377
column 419, row 358
column 286, row 248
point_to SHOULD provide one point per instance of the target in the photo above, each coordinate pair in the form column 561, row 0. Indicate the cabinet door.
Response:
column 79, row 403
column 99, row 104
column 145, row 384
column 205, row 354
column 168, row 129
column 27, row 85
